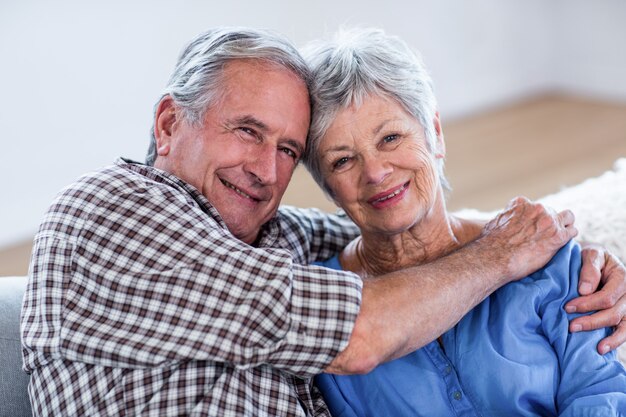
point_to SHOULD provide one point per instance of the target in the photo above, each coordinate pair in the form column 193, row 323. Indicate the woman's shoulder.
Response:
column 556, row 281
column 564, row 266
column 568, row 254
column 465, row 230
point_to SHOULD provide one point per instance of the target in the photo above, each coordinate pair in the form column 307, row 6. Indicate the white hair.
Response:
column 195, row 84
column 357, row 63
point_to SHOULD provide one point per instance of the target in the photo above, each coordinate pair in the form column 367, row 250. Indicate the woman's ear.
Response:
column 166, row 118
column 440, row 145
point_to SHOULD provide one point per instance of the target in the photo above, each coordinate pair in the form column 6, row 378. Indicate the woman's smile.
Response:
column 389, row 197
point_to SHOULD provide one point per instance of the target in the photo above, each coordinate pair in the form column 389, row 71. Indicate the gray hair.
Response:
column 195, row 84
column 361, row 62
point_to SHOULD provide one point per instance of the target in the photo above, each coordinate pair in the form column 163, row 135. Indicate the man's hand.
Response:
column 601, row 269
column 528, row 235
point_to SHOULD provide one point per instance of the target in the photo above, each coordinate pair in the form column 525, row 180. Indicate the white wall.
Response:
column 79, row 81
column 591, row 55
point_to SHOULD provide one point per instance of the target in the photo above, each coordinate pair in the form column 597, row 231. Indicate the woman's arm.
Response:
column 587, row 380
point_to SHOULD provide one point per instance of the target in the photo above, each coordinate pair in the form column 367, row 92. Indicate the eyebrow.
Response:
column 375, row 131
column 339, row 148
column 250, row 120
column 378, row 128
column 295, row 144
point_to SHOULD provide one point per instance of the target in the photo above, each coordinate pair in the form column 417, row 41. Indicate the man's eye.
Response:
column 247, row 131
column 289, row 152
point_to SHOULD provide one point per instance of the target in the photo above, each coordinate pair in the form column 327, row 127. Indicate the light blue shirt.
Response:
column 512, row 355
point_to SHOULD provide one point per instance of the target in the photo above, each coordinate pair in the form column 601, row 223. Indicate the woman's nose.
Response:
column 375, row 168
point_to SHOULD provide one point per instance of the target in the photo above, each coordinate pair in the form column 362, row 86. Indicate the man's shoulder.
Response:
column 109, row 179
column 120, row 180
column 316, row 222
column 122, row 190
column 313, row 234
column 310, row 217
column 298, row 215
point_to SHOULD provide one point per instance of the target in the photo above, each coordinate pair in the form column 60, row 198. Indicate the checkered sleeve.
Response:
column 315, row 235
column 150, row 279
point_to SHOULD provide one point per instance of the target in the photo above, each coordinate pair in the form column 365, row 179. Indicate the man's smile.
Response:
column 239, row 191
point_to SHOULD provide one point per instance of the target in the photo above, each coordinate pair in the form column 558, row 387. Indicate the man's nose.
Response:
column 262, row 164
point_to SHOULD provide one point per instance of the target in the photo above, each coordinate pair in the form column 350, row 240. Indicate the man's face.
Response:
column 243, row 155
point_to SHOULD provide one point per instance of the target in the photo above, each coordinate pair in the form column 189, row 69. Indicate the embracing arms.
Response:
column 601, row 289
column 402, row 311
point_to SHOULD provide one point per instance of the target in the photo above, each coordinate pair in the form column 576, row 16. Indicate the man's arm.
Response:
column 403, row 311
column 133, row 273
column 314, row 235
column 602, row 288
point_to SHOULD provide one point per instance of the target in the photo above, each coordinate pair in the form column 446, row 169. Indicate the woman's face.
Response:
column 376, row 162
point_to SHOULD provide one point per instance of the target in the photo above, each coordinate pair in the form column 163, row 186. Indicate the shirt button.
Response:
column 447, row 370
column 457, row 395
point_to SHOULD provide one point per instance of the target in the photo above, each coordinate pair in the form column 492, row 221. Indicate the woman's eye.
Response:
column 340, row 162
column 390, row 138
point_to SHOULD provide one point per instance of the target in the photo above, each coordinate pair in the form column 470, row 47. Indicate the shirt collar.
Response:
column 269, row 233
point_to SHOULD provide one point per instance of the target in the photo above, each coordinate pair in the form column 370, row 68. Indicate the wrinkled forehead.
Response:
column 368, row 114
column 327, row 110
column 268, row 96
column 235, row 70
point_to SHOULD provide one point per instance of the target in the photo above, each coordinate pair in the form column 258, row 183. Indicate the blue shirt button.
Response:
column 447, row 370
column 457, row 395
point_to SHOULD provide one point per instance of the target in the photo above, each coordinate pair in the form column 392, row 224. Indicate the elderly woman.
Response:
column 377, row 149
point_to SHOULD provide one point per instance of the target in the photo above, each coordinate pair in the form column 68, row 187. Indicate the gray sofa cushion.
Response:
column 14, row 400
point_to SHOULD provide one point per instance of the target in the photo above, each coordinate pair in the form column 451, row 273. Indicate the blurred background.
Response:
column 532, row 93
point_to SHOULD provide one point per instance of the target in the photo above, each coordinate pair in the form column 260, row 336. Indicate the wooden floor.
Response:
column 532, row 148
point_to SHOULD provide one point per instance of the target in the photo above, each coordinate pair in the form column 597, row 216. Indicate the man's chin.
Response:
column 244, row 224
column 248, row 237
column 242, row 228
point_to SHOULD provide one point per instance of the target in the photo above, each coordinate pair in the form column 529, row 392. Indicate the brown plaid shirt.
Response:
column 140, row 302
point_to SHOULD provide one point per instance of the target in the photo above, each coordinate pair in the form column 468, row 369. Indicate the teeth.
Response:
column 387, row 197
column 237, row 190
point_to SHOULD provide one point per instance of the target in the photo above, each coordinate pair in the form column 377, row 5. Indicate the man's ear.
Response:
column 440, row 145
column 166, row 117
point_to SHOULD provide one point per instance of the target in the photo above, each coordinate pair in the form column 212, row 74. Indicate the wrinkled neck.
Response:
column 435, row 235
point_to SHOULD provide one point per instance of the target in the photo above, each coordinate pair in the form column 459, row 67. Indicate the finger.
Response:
column 605, row 318
column 566, row 218
column 590, row 273
column 518, row 201
column 609, row 296
column 616, row 339
column 571, row 232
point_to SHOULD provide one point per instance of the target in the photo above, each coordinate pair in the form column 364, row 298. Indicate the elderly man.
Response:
column 181, row 288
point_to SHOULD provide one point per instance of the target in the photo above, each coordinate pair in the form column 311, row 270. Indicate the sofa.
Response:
column 599, row 204
column 13, row 381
